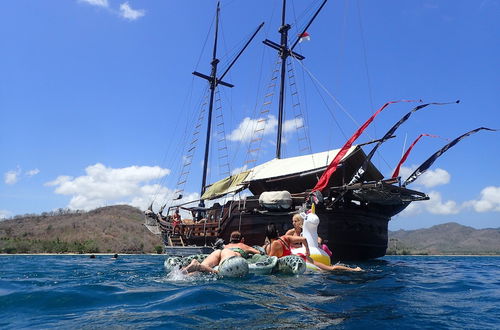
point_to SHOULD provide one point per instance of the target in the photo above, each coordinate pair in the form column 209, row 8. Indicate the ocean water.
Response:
column 68, row 292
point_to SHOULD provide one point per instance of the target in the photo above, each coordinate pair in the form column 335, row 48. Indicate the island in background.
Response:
column 119, row 229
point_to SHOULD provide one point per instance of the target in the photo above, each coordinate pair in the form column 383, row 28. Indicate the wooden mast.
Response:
column 214, row 82
column 284, row 51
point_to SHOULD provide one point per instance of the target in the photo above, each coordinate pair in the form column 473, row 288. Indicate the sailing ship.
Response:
column 353, row 200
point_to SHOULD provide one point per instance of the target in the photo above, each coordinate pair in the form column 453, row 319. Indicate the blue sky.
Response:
column 95, row 96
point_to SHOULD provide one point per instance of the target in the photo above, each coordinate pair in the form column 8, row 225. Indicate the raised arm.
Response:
column 250, row 249
column 299, row 240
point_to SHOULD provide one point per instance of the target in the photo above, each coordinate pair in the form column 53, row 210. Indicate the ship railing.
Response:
column 203, row 228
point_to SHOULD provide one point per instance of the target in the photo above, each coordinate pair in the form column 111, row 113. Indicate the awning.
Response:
column 298, row 174
column 294, row 165
column 226, row 186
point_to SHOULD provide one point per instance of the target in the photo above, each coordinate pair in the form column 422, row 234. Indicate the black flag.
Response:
column 425, row 165
column 387, row 136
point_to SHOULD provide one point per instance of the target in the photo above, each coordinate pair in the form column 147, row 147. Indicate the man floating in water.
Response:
column 235, row 248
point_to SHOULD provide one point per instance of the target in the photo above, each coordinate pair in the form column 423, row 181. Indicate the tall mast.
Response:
column 284, row 52
column 214, row 82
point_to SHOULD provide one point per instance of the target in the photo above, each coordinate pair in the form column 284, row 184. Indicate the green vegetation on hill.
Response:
column 113, row 229
column 448, row 238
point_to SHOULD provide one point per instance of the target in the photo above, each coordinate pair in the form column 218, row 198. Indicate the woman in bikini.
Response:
column 297, row 223
column 281, row 246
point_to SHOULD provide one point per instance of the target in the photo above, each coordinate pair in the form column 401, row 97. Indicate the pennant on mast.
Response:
column 425, row 165
column 405, row 156
column 325, row 178
column 387, row 136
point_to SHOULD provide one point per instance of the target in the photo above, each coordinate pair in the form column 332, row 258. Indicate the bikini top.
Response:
column 240, row 251
column 286, row 248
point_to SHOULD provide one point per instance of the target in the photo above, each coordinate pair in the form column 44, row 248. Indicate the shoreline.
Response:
column 161, row 254
column 442, row 255
column 79, row 254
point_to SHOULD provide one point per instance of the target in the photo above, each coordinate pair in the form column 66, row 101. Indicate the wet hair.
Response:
column 235, row 237
column 271, row 231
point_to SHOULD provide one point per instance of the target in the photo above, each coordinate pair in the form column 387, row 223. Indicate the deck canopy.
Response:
column 231, row 184
column 294, row 174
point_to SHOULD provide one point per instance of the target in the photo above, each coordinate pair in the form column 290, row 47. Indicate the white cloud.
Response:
column 104, row 186
column 434, row 205
column 292, row 124
column 245, row 130
column 59, row 180
column 413, row 209
column 4, row 214
column 11, row 177
column 430, row 178
column 32, row 172
column 433, row 178
column 131, row 14
column 238, row 170
column 98, row 3
column 489, row 200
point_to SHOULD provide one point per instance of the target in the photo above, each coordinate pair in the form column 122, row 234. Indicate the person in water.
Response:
column 235, row 248
column 322, row 245
column 282, row 246
column 297, row 223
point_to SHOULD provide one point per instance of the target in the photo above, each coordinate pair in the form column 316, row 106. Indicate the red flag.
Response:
column 325, row 178
column 396, row 171
column 304, row 37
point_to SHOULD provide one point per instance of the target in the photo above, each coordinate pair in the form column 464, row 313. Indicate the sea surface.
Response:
column 133, row 291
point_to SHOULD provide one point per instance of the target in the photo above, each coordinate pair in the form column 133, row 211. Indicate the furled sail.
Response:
column 231, row 184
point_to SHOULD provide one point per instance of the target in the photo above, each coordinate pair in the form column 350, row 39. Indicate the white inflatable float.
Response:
column 310, row 232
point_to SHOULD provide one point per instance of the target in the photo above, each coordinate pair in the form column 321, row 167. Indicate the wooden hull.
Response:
column 352, row 233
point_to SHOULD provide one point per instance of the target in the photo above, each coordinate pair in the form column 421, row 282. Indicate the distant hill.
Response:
column 113, row 229
column 448, row 238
